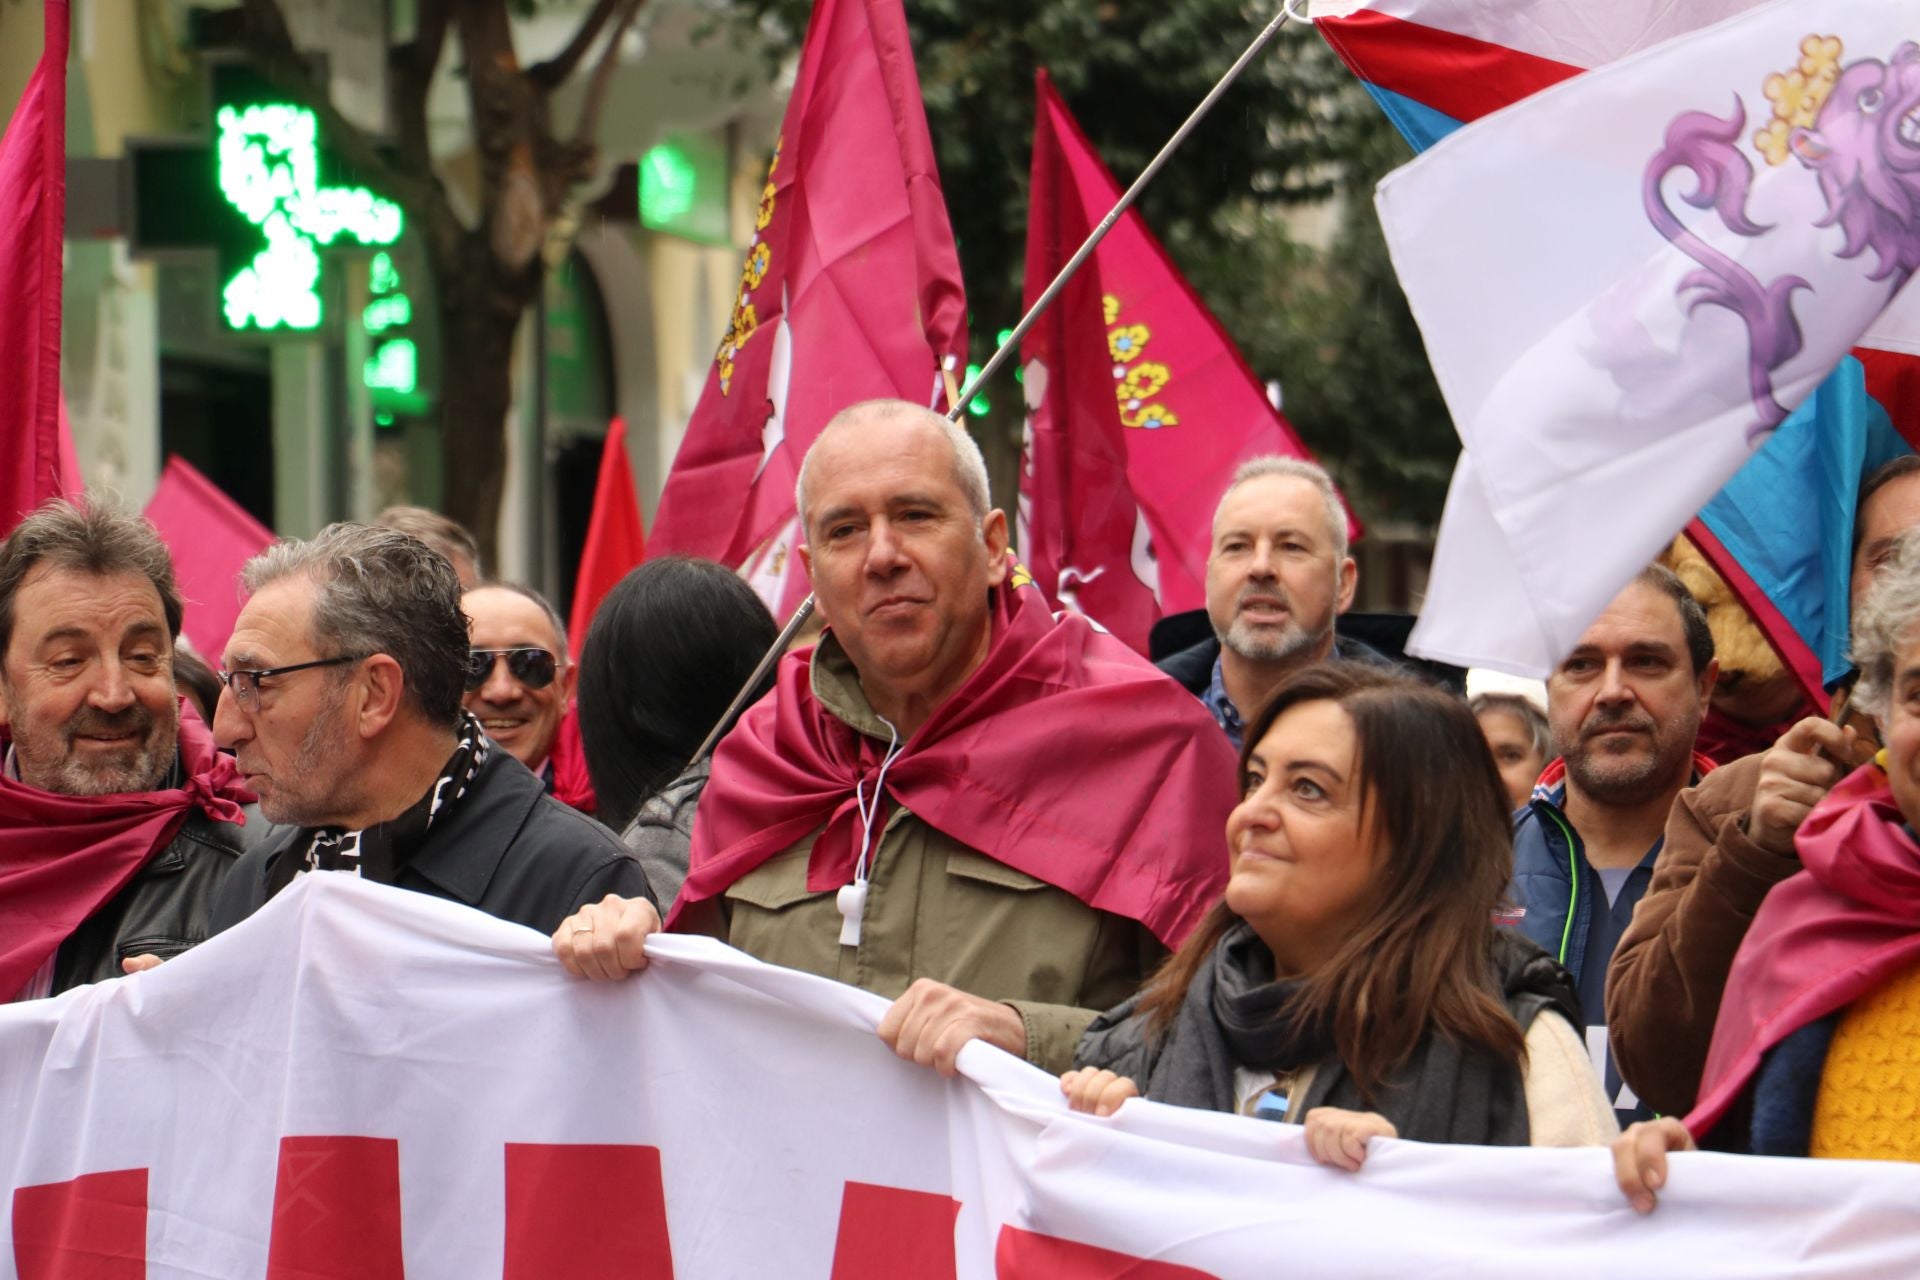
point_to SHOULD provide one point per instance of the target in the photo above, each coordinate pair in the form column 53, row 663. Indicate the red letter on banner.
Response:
column 336, row 1210
column 92, row 1228
column 587, row 1212
column 886, row 1232
column 1027, row 1255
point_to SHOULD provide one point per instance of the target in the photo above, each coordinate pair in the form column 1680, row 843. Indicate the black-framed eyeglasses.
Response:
column 532, row 667
column 245, row 683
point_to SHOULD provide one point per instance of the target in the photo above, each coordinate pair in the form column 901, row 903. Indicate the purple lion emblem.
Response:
column 1864, row 147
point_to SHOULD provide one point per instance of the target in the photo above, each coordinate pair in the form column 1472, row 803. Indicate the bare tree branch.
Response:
column 596, row 99
column 554, row 72
column 270, row 46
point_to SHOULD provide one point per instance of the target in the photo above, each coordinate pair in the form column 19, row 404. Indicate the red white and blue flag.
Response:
column 1436, row 65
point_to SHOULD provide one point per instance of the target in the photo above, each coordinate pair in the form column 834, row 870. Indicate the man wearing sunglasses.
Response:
column 519, row 685
column 344, row 678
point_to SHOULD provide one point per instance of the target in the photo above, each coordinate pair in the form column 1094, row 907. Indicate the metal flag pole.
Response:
column 1127, row 198
column 1019, row 331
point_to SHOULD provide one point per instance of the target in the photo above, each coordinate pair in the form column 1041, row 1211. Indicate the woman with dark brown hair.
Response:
column 1352, row 978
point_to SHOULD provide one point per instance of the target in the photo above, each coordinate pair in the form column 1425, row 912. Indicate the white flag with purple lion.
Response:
column 1628, row 282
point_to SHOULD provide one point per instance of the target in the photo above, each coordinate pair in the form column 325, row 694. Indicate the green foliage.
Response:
column 1295, row 131
column 1333, row 328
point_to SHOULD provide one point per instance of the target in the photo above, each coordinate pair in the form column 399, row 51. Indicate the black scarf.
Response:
column 378, row 852
column 1234, row 1015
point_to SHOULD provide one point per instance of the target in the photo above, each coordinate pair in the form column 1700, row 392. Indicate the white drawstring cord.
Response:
column 852, row 898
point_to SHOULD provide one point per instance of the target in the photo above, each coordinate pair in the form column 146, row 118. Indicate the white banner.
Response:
column 366, row 1082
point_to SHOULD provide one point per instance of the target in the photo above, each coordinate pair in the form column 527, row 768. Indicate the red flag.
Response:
column 33, row 203
column 1139, row 407
column 211, row 536
column 987, row 771
column 615, row 540
column 851, row 288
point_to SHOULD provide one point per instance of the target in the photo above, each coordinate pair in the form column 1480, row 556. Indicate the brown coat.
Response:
column 1664, row 984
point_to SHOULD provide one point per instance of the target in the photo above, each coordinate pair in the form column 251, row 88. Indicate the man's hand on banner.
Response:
column 1097, row 1092
column 1640, row 1158
column 930, row 1023
column 606, row 939
column 1339, row 1138
column 140, row 964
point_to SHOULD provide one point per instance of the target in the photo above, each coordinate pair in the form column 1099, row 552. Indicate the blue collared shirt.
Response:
column 1225, row 714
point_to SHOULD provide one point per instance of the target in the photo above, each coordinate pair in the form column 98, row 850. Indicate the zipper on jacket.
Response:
column 1573, row 877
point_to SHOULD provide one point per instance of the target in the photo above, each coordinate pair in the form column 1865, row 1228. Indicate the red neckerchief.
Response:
column 1065, row 756
column 572, row 784
column 63, row 857
column 1823, row 937
column 1725, row 739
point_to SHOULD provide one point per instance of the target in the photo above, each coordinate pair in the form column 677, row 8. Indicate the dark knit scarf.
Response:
column 1236, row 1015
column 378, row 852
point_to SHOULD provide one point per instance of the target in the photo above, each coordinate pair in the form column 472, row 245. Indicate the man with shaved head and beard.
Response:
column 1624, row 707
column 118, row 819
column 1278, row 574
column 1000, row 819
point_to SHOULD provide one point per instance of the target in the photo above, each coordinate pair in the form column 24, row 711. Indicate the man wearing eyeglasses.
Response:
column 344, row 678
column 118, row 819
column 520, row 684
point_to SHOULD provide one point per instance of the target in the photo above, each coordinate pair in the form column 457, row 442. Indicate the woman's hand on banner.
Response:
column 1339, row 1138
column 1097, row 1092
column 606, row 939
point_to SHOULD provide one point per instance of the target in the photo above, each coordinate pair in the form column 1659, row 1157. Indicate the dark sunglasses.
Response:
column 534, row 668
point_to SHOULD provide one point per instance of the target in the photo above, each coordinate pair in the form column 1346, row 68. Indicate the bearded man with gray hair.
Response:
column 118, row 819
column 344, row 677
column 1278, row 574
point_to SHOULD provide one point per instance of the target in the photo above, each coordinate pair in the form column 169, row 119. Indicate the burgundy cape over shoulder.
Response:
column 64, row 857
column 1065, row 756
column 1823, row 938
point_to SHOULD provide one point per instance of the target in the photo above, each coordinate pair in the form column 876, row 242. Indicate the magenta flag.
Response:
column 1139, row 406
column 851, row 288
column 210, row 536
column 33, row 203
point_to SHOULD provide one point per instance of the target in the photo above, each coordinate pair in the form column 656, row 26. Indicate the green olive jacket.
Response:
column 937, row 909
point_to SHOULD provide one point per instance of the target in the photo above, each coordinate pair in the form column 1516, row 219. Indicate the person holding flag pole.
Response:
column 890, row 818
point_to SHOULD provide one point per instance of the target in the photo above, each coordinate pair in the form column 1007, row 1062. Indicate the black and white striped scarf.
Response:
column 378, row 852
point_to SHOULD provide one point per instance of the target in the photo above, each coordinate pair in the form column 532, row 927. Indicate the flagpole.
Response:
column 1019, row 331
column 767, row 659
column 1107, row 223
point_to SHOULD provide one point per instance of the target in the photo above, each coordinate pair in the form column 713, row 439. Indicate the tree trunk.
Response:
column 480, row 311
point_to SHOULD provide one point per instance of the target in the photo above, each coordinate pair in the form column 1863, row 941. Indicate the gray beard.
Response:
column 1290, row 643
column 1623, row 786
column 145, row 770
column 319, row 746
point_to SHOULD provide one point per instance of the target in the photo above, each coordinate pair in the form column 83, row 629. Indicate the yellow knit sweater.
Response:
column 1868, row 1107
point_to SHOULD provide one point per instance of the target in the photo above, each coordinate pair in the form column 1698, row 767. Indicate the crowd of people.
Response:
column 1281, row 876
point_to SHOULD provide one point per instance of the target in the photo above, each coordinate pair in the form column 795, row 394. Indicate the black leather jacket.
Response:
column 163, row 910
